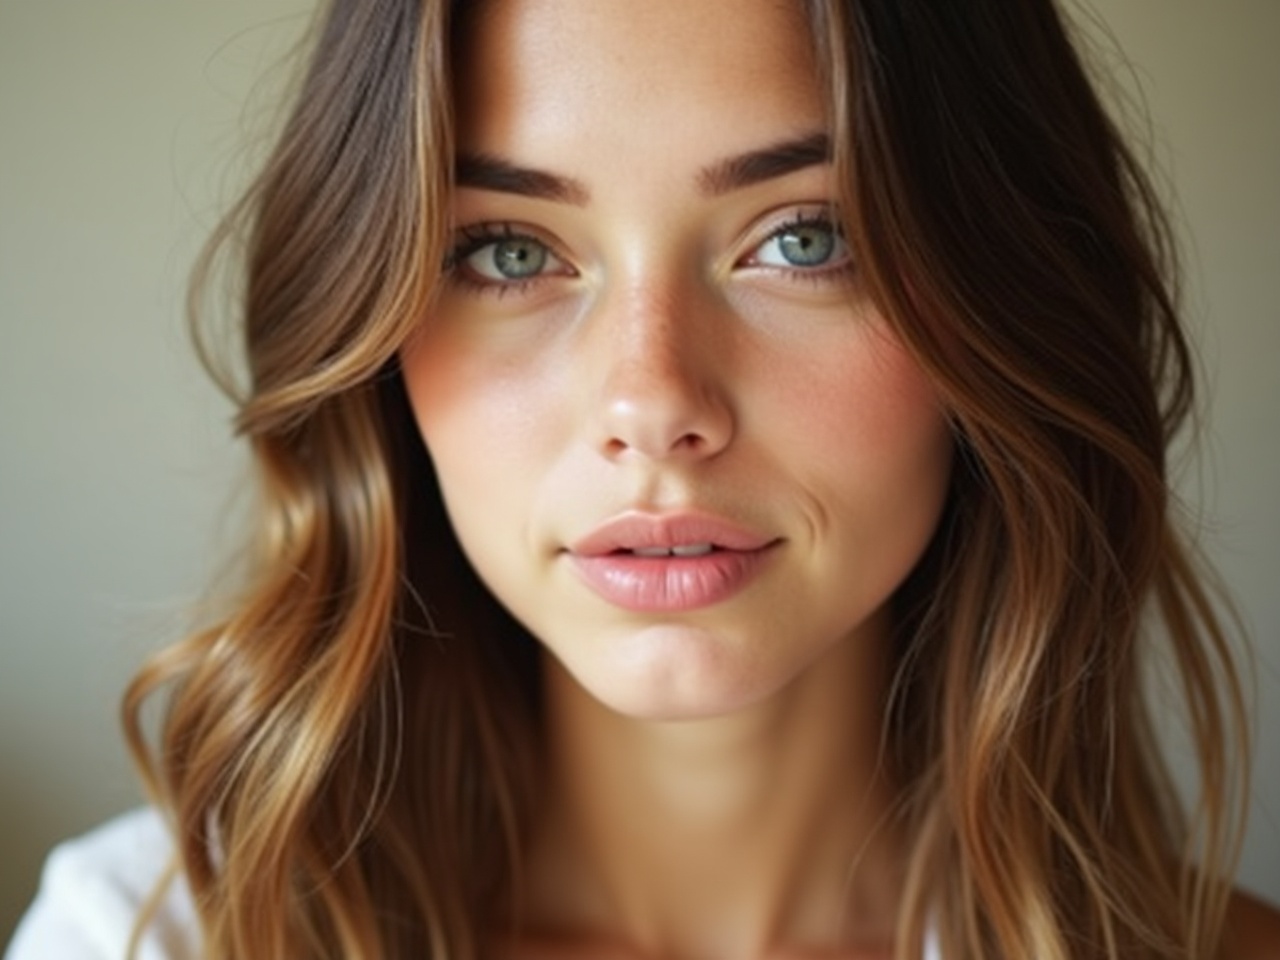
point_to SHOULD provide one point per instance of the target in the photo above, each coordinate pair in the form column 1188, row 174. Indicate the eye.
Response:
column 498, row 255
column 805, row 243
column 517, row 258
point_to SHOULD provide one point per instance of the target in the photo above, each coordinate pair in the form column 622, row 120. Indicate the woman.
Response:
column 713, row 487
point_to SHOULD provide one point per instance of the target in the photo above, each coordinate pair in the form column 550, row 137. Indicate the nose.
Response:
column 662, row 378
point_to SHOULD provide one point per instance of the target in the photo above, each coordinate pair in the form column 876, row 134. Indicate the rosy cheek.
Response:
column 899, row 404
column 479, row 416
column 862, row 405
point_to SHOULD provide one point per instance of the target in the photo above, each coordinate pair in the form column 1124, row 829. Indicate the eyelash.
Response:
column 476, row 237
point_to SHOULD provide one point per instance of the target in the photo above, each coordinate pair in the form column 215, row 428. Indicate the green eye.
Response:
column 805, row 244
column 514, row 258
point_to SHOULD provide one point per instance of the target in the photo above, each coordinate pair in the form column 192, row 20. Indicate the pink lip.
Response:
column 670, row 583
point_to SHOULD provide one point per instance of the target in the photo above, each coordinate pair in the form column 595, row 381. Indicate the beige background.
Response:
column 123, row 131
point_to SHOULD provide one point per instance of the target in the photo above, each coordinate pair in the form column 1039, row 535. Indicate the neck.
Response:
column 738, row 836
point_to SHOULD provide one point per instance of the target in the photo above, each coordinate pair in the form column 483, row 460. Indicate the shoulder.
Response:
column 93, row 888
column 1252, row 930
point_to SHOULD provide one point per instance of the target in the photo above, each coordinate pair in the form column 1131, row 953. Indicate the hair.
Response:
column 349, row 757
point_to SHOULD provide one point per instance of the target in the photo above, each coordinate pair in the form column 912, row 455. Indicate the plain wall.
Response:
column 123, row 132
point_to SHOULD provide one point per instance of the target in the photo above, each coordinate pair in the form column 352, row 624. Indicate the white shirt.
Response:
column 94, row 886
column 92, row 890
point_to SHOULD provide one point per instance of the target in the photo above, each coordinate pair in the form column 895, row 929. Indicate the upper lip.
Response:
column 647, row 531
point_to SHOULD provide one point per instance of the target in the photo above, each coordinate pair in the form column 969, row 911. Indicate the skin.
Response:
column 668, row 358
column 664, row 356
column 657, row 366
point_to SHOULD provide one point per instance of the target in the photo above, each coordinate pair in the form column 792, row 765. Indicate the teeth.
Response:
column 692, row 550
column 685, row 550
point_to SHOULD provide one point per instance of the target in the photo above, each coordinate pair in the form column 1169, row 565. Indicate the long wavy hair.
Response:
column 349, row 756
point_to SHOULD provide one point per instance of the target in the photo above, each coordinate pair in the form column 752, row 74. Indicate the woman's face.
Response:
column 672, row 434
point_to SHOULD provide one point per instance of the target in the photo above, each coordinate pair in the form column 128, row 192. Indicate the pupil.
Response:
column 807, row 246
column 516, row 259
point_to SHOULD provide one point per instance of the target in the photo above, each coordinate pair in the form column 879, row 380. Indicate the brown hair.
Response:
column 349, row 757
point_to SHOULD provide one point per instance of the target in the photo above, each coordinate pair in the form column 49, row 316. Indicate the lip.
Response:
column 671, row 583
column 647, row 531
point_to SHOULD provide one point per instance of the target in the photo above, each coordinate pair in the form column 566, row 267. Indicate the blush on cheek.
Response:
column 899, row 401
column 866, row 395
column 476, row 417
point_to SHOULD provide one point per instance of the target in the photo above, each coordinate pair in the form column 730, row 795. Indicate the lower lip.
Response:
column 669, row 584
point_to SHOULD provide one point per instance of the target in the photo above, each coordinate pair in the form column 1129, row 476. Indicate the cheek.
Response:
column 870, row 447
column 481, row 421
column 488, row 430
column 865, row 416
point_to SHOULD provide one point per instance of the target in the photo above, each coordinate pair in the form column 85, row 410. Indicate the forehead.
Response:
column 535, row 71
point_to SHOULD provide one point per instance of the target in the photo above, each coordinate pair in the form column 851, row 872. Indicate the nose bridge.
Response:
column 655, row 340
column 660, row 388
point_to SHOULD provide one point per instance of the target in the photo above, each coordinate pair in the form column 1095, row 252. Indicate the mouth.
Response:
column 660, row 564
column 658, row 536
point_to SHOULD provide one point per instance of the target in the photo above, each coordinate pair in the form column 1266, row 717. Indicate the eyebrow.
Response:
column 484, row 171
column 757, row 166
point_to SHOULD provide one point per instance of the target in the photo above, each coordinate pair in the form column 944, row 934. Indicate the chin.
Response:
column 674, row 673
